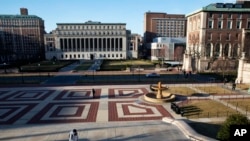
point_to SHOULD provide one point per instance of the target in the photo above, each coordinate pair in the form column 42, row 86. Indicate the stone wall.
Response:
column 243, row 71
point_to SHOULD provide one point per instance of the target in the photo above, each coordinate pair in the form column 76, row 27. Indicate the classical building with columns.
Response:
column 89, row 40
column 217, row 35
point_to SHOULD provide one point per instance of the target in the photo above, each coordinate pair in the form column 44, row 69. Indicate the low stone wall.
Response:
column 246, row 73
column 243, row 71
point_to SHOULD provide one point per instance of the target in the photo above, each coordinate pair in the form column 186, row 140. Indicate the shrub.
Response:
column 235, row 119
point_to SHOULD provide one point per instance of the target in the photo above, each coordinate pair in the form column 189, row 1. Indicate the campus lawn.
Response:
column 45, row 66
column 242, row 103
column 243, row 86
column 200, row 108
column 123, row 64
column 185, row 91
column 214, row 90
column 84, row 65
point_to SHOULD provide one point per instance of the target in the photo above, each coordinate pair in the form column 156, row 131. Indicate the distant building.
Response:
column 217, row 35
column 21, row 37
column 166, row 48
column 134, row 48
column 89, row 40
column 158, row 24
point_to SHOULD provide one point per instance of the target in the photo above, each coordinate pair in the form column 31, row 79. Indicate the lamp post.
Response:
column 22, row 74
column 4, row 65
column 139, row 73
column 39, row 72
column 93, row 75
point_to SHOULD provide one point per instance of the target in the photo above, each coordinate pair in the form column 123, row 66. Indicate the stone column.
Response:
column 211, row 51
column 68, row 45
column 220, row 55
column 187, row 58
column 240, row 69
column 230, row 51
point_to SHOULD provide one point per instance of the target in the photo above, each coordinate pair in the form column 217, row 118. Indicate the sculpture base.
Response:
column 151, row 97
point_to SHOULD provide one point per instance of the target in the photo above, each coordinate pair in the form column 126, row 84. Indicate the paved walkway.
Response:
column 116, row 113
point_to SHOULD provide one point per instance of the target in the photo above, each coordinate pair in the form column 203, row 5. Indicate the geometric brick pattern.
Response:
column 10, row 113
column 27, row 95
column 75, row 105
column 69, row 112
column 127, row 92
column 78, row 94
column 132, row 111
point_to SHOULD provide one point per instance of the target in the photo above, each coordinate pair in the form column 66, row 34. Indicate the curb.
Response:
column 187, row 130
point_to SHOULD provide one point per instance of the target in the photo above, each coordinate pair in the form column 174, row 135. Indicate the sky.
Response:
column 130, row 12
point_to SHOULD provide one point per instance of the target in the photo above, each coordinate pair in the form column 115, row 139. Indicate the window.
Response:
column 236, row 36
column 229, row 24
column 220, row 16
column 220, row 24
column 219, row 37
column 210, row 24
column 209, row 36
column 239, row 16
column 230, row 16
column 210, row 15
column 228, row 36
column 248, row 24
column 238, row 25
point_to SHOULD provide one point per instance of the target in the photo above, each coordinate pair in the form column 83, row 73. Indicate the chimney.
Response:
column 24, row 11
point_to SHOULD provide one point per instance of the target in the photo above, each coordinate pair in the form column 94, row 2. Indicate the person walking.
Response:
column 233, row 86
column 73, row 135
column 93, row 92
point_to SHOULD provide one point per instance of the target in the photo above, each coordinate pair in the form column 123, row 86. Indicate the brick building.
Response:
column 217, row 35
column 163, row 25
column 21, row 37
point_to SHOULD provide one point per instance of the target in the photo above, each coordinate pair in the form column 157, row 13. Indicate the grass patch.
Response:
column 84, row 66
column 205, row 109
column 243, row 104
column 243, row 86
column 185, row 91
column 214, row 90
column 45, row 66
column 123, row 64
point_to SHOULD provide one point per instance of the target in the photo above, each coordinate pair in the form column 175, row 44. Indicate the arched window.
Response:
column 226, row 50
column 217, row 50
column 235, row 51
column 208, row 50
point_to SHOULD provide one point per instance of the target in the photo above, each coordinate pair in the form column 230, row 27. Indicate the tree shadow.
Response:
column 206, row 129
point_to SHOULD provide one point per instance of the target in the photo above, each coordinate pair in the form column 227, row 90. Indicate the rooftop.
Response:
column 222, row 7
column 91, row 23
column 19, row 17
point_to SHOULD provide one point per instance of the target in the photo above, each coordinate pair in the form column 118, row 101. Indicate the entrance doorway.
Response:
column 92, row 57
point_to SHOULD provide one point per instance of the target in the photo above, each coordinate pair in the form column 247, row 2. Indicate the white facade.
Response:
column 165, row 48
column 134, row 44
column 89, row 40
column 243, row 75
